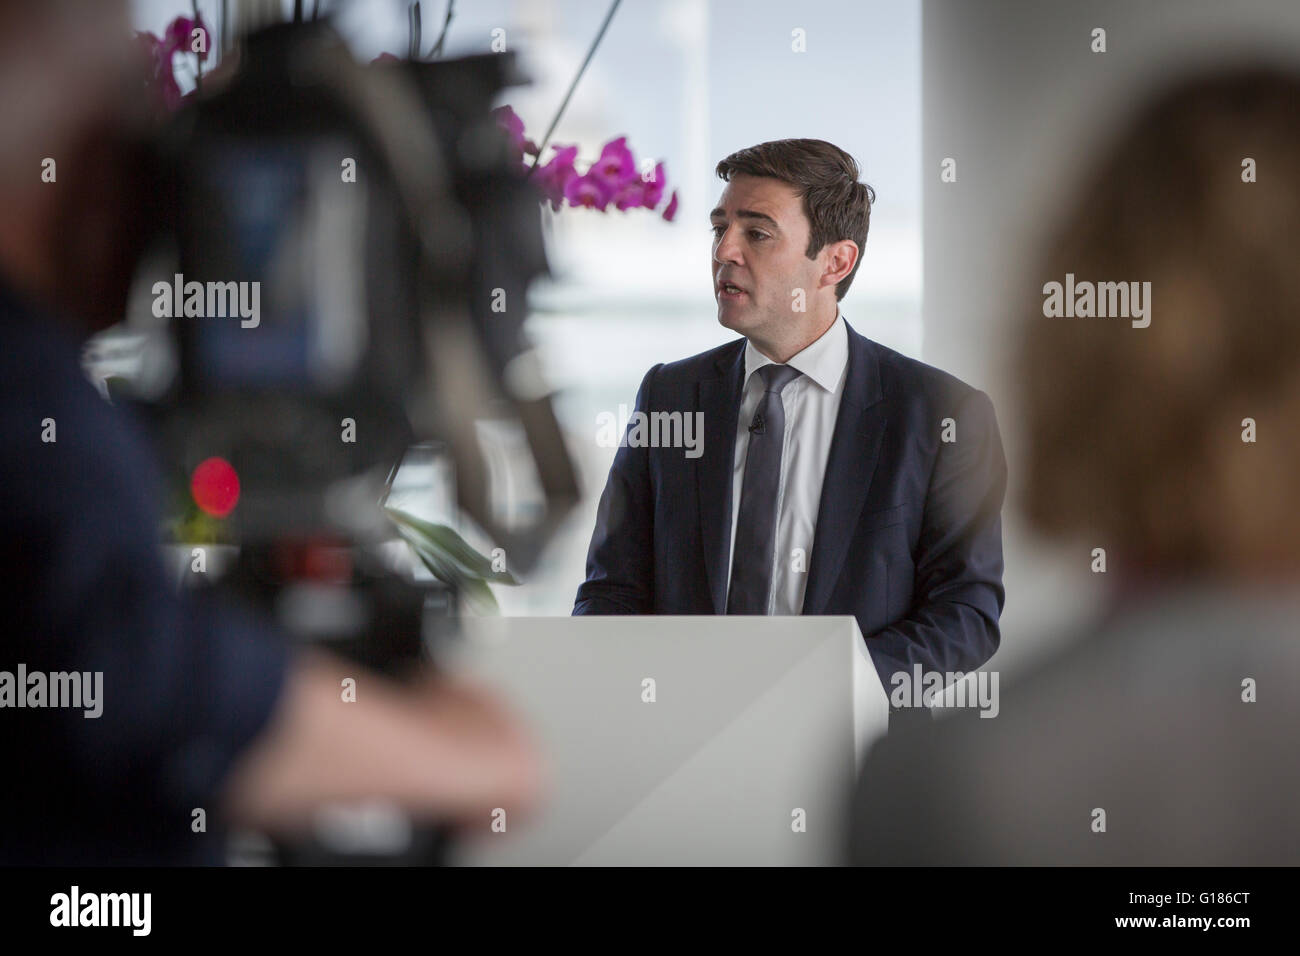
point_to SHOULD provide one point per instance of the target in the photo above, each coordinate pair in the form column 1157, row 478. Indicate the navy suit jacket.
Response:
column 908, row 537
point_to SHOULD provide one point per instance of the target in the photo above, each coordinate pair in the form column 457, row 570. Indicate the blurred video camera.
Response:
column 342, row 269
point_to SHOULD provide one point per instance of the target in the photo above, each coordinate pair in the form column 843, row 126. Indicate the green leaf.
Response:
column 451, row 560
column 449, row 546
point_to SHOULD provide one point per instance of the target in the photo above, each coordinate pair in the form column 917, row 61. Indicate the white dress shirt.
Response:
column 811, row 403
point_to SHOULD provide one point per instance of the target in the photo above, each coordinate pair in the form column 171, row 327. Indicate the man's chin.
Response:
column 735, row 316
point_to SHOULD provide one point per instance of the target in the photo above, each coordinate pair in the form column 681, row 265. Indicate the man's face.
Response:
column 760, row 236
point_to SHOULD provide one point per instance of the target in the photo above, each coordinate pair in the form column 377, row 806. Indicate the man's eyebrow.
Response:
column 746, row 214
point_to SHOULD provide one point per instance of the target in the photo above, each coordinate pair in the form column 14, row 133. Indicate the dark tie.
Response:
column 751, row 566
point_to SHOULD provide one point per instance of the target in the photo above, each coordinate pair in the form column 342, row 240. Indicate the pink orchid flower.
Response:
column 653, row 188
column 554, row 177
column 587, row 190
column 514, row 128
column 616, row 166
column 611, row 179
column 179, row 37
column 631, row 196
column 671, row 209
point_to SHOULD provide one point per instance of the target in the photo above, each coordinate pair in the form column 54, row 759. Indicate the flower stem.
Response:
column 541, row 147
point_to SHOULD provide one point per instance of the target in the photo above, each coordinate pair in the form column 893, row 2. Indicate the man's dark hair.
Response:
column 826, row 179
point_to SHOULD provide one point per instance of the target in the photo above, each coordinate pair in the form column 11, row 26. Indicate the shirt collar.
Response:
column 823, row 361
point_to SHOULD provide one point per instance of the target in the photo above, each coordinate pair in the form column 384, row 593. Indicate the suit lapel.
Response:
column 855, row 449
column 719, row 399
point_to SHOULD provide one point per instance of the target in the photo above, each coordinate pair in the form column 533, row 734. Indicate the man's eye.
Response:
column 753, row 233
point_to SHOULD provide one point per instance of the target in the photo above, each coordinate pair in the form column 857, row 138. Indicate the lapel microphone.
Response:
column 756, row 427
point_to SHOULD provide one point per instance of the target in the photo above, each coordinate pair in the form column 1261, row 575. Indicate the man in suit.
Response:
column 836, row 475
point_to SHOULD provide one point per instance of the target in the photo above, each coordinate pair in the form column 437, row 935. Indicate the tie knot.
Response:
column 777, row 377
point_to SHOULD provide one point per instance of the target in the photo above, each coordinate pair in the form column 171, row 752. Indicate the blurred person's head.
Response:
column 1134, row 436
column 789, row 231
column 66, row 70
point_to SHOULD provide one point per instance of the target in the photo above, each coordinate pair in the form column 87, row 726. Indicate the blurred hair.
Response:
column 18, row 11
column 826, row 178
column 61, row 65
column 1134, row 435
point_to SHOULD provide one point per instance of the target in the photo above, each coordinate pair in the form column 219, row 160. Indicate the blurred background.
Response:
column 687, row 83
column 1012, row 90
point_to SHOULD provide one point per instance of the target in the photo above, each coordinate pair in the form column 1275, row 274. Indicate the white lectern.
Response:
column 681, row 740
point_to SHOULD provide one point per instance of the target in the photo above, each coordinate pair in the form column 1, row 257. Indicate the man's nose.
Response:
column 727, row 249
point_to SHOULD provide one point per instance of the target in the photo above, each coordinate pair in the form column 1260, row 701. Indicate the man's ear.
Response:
column 841, row 257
